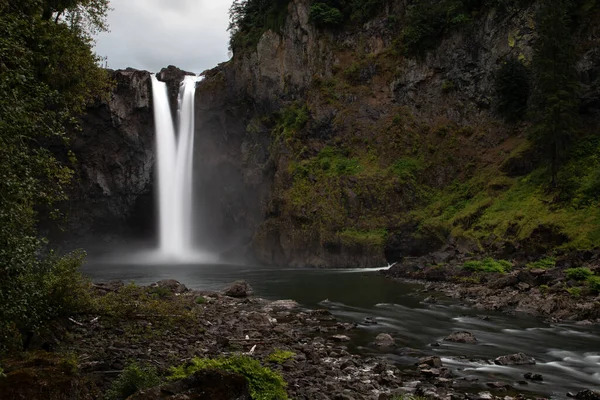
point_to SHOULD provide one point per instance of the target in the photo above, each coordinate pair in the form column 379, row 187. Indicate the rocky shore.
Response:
column 552, row 288
column 166, row 325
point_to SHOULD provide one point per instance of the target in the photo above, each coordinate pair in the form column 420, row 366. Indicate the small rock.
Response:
column 461, row 337
column 484, row 396
column 430, row 300
column 515, row 359
column 284, row 305
column 523, row 286
column 238, row 289
column 384, row 340
column 533, row 377
column 340, row 338
column 432, row 361
column 370, row 321
column 498, row 385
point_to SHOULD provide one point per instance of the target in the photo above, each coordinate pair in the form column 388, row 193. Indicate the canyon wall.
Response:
column 337, row 147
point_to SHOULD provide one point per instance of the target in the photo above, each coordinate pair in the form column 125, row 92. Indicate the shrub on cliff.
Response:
column 265, row 384
column 579, row 273
column 325, row 16
column 133, row 378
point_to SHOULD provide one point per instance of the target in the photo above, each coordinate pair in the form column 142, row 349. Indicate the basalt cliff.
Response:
column 357, row 144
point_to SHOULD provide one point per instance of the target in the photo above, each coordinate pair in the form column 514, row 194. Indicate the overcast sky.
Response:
column 152, row 34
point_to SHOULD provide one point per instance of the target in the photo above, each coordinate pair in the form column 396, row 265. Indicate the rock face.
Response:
column 112, row 192
column 354, row 95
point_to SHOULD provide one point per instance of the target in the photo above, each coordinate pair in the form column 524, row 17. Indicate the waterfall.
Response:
column 175, row 159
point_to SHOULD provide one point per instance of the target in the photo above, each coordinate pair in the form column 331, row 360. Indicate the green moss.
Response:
column 488, row 265
column 280, row 356
column 265, row 384
column 579, row 273
column 543, row 263
column 373, row 238
column 574, row 291
column 200, row 300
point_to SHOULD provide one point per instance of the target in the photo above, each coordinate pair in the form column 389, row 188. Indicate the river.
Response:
column 568, row 355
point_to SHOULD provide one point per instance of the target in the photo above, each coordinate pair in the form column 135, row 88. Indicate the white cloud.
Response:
column 151, row 34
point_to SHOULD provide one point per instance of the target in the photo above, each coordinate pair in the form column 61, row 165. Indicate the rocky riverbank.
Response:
column 563, row 288
column 167, row 325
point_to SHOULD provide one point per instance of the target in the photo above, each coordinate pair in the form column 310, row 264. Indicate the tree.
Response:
column 48, row 74
column 556, row 84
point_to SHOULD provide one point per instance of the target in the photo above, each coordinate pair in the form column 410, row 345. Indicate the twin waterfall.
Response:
column 175, row 163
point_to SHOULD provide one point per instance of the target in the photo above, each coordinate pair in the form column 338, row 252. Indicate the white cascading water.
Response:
column 175, row 160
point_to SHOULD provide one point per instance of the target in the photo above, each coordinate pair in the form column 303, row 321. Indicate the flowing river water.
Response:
column 568, row 355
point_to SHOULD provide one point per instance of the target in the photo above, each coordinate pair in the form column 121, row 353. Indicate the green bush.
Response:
column 512, row 89
column 488, row 265
column 574, row 291
column 594, row 283
column 265, row 384
column 325, row 16
column 250, row 19
column 544, row 263
column 133, row 378
column 579, row 273
column 200, row 300
column 429, row 20
column 280, row 356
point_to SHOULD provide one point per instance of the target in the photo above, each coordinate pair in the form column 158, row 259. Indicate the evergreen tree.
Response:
column 556, row 87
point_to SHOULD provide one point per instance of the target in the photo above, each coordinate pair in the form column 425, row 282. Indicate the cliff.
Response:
column 358, row 144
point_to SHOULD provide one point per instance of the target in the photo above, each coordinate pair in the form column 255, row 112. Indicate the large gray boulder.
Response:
column 238, row 289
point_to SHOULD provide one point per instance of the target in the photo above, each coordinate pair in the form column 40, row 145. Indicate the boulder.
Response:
column 171, row 285
column 238, row 289
column 515, row 359
column 461, row 337
column 202, row 385
column 384, row 340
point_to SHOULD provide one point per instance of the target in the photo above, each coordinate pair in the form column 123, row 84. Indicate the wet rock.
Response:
column 369, row 321
column 515, row 359
column 238, row 289
column 484, row 396
column 340, row 338
column 461, row 337
column 202, row 385
column 498, row 385
column 322, row 315
column 171, row 285
column 384, row 340
column 432, row 361
column 586, row 394
column 283, row 305
column 533, row 377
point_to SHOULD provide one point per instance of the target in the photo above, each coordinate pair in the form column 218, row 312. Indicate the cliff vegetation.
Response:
column 447, row 121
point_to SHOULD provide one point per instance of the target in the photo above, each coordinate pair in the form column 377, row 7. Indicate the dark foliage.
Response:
column 513, row 89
